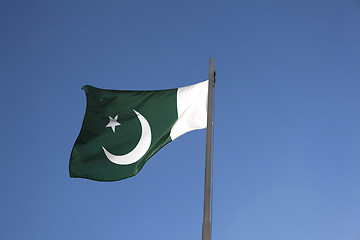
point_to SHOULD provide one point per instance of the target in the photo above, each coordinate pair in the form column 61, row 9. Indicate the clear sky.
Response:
column 287, row 119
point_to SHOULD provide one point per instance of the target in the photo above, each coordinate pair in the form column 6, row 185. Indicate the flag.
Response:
column 121, row 130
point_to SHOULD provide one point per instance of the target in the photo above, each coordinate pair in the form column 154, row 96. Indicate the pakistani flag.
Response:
column 123, row 129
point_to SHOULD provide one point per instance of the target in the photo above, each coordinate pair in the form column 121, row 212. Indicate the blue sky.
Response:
column 287, row 132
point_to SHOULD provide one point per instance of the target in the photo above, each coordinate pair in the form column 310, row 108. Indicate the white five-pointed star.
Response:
column 113, row 123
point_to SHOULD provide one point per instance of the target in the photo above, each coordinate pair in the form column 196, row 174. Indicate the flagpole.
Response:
column 206, row 227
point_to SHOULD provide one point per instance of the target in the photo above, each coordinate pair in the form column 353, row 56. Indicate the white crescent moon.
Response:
column 140, row 149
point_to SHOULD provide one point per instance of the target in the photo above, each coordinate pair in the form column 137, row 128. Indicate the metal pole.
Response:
column 206, row 227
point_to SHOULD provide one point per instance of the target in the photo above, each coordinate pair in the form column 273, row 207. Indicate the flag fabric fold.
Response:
column 121, row 130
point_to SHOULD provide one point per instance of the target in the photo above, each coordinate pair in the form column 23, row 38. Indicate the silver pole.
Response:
column 206, row 227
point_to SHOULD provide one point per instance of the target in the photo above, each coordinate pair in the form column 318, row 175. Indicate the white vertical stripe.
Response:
column 191, row 108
